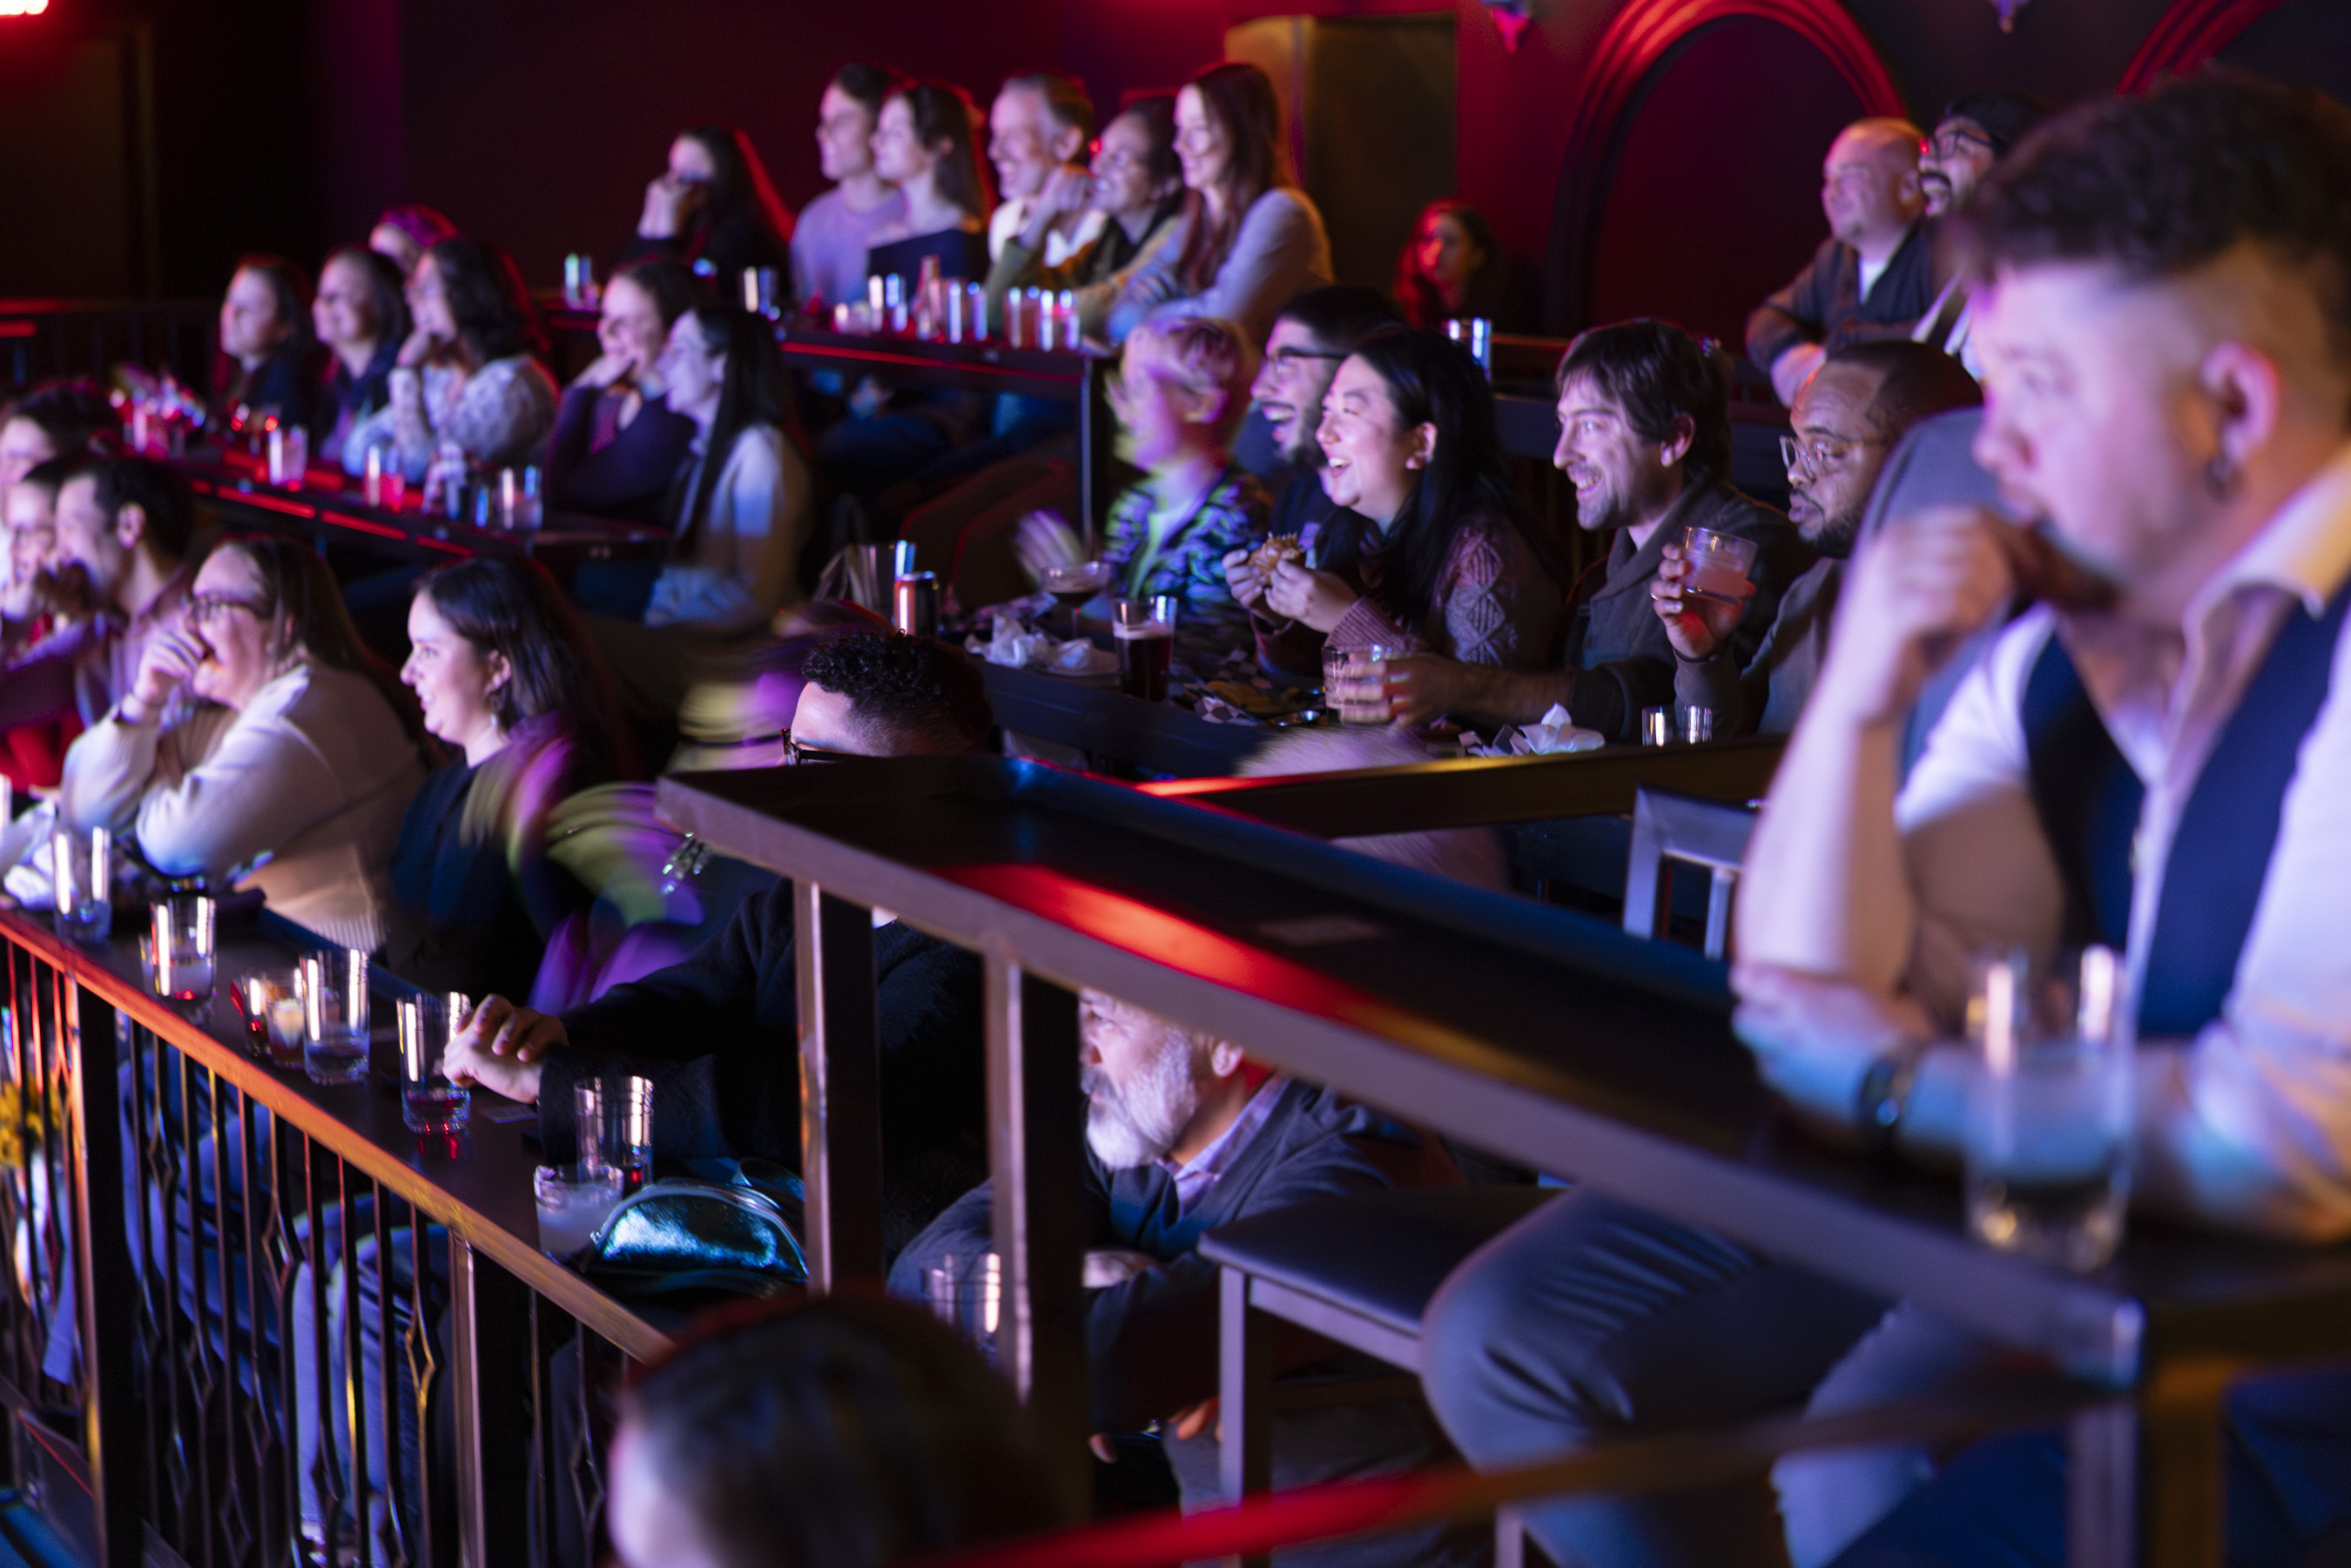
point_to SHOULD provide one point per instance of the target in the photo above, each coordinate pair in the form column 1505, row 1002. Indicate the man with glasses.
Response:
column 1874, row 275
column 1315, row 333
column 1975, row 132
column 717, row 1034
column 1848, row 418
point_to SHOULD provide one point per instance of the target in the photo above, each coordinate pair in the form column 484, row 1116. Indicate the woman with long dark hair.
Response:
column 1249, row 240
column 617, row 444
column 469, row 376
column 260, row 745
column 715, row 209
column 1429, row 552
column 1453, row 266
column 509, row 683
column 836, row 229
column 264, row 368
column 741, row 508
column 361, row 316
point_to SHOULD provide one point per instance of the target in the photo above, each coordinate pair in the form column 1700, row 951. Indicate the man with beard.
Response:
column 1644, row 437
column 1313, row 336
column 1975, row 132
column 119, row 576
column 1848, row 417
column 1185, row 1134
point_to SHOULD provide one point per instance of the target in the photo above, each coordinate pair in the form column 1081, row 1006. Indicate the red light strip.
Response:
column 16, row 329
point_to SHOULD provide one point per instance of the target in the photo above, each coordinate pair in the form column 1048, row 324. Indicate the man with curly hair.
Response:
column 719, row 1034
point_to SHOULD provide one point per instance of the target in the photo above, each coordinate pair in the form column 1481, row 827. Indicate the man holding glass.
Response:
column 2148, row 758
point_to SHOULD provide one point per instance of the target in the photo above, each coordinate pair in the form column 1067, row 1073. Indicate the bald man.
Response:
column 1874, row 275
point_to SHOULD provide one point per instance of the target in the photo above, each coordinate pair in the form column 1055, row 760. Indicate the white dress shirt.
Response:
column 2247, row 1125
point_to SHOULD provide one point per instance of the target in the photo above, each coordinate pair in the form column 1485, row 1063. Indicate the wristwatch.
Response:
column 1883, row 1095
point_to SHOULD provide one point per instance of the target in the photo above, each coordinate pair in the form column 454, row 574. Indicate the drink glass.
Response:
column 573, row 1204
column 335, row 1015
column 82, row 866
column 1656, row 725
column 271, row 1005
column 616, row 1127
column 1719, row 564
column 184, row 948
column 1146, row 630
column 429, row 1103
column 579, row 280
column 2048, row 1131
column 289, row 456
column 1073, row 587
column 1355, row 665
column 1698, row 724
column 966, row 1294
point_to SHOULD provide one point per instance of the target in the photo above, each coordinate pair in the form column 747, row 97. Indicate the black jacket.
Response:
column 1823, row 304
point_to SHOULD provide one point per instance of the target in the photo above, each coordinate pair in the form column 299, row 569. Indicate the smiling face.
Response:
column 1021, row 138
column 1122, row 170
column 244, row 642
column 457, row 683
column 630, row 327
column 344, row 311
column 24, row 446
column 1951, row 161
column 1371, row 459
column 428, row 301
column 250, row 325
column 1289, row 388
column 693, row 375
column 690, row 162
column 29, row 514
column 1870, row 184
column 89, row 540
column 844, row 136
column 899, row 154
column 1620, row 476
column 1444, row 252
column 1159, row 413
column 1202, row 147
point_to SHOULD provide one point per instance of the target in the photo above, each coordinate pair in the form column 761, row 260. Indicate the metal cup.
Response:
column 914, row 605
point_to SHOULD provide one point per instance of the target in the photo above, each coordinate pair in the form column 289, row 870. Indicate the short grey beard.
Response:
column 1137, row 1124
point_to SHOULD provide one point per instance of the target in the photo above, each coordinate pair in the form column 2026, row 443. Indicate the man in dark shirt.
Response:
column 1313, row 334
column 1185, row 1134
column 717, row 1034
column 1874, row 277
column 1644, row 437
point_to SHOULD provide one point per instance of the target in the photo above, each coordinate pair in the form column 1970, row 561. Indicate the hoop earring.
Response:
column 2219, row 475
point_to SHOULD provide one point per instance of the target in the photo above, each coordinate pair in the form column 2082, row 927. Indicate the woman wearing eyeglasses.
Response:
column 261, row 744
column 1134, row 180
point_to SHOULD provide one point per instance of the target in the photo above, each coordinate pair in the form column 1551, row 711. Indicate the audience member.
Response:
column 715, row 1033
column 264, row 369
column 2150, row 740
column 508, row 682
column 840, row 1433
column 743, row 505
column 32, row 755
column 1249, row 239
column 404, row 233
column 468, row 386
column 1185, row 1134
column 715, row 210
column 55, row 419
column 1848, row 419
column 1453, row 266
column 1975, row 132
column 1181, row 392
column 289, row 766
column 1428, row 524
column 1874, row 275
column 924, row 145
column 1036, row 128
column 119, row 578
column 1312, row 338
column 836, row 229
column 1644, row 437
column 361, row 317
column 1135, row 187
column 618, row 445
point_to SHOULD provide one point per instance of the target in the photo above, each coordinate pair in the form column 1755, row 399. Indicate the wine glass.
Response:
column 1072, row 586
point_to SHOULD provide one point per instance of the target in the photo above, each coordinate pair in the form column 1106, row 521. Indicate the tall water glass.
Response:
column 184, row 947
column 81, row 865
column 335, row 1015
column 616, row 1127
column 2048, row 1132
column 429, row 1103
column 1145, row 631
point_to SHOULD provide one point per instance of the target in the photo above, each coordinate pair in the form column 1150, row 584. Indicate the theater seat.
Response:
column 1358, row 1269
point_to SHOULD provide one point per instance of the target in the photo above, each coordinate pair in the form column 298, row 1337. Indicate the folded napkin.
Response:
column 1554, row 734
column 1014, row 646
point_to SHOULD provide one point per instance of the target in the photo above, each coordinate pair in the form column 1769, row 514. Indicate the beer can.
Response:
column 915, row 607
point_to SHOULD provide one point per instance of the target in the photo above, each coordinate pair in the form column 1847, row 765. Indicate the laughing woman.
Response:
column 260, row 744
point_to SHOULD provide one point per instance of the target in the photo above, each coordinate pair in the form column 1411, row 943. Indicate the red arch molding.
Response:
column 2189, row 33
column 1635, row 42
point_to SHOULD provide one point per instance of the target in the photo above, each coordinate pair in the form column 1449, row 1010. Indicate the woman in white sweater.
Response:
column 743, row 505
column 260, row 745
column 1248, row 242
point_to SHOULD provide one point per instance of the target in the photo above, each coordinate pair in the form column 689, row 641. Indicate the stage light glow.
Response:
column 23, row 7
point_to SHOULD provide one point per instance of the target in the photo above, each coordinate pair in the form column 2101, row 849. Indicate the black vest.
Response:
column 2089, row 799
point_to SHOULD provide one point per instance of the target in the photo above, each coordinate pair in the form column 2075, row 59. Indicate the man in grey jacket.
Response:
column 1644, row 437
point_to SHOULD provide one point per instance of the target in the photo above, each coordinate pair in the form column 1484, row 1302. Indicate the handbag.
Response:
column 681, row 1236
